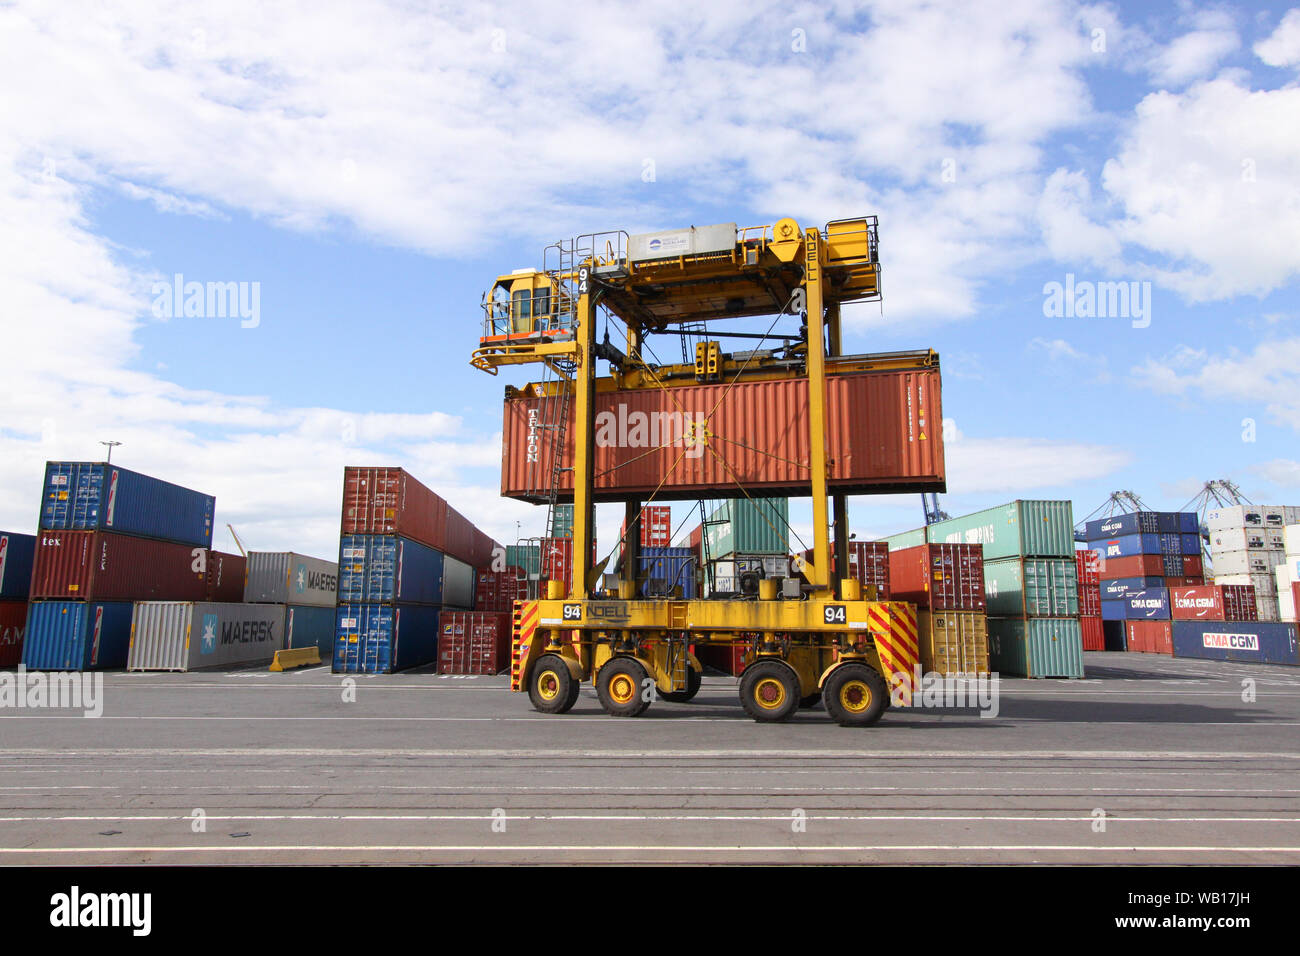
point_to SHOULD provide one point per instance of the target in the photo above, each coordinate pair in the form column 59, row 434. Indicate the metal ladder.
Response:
column 692, row 333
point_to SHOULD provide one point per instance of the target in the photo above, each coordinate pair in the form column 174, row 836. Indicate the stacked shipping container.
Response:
column 1247, row 545
column 1087, row 568
column 1288, row 574
column 946, row 583
column 868, row 565
column 108, row 537
column 16, row 555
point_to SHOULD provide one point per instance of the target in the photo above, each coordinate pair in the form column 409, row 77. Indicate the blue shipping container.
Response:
column 1261, row 642
column 1151, row 604
column 669, row 567
column 93, row 496
column 16, row 552
column 1191, row 543
column 77, row 635
column 1127, row 545
column 1136, row 522
column 384, row 638
column 1167, row 522
column 1116, row 588
column 1114, row 610
column 383, row 568
column 1189, row 522
column 310, row 626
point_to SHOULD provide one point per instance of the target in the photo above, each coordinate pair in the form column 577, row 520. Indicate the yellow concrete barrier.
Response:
column 298, row 657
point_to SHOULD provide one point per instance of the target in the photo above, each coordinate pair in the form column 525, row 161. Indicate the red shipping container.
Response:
column 104, row 566
column 883, row 429
column 390, row 501
column 225, row 583
column 656, row 526
column 940, row 577
column 13, row 619
column 473, row 642
column 1239, row 602
column 1093, row 635
column 1090, row 601
column 1295, row 596
column 1184, row 582
column 1150, row 637
column 868, row 564
column 1088, row 565
column 1137, row 566
column 696, row 539
column 1193, row 566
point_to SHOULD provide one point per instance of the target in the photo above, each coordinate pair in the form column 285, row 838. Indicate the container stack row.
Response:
column 1247, row 545
column 1031, row 583
column 1143, row 556
column 1288, row 575
column 16, row 554
column 405, row 557
column 107, row 538
column 1087, row 567
column 947, row 584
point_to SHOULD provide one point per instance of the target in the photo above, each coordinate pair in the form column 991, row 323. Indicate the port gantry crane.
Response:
column 804, row 641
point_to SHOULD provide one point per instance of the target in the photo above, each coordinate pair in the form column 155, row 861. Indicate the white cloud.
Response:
column 1280, row 472
column 1267, row 378
column 1064, row 214
column 1195, row 54
column 1057, row 349
column 1282, row 48
column 1014, row 465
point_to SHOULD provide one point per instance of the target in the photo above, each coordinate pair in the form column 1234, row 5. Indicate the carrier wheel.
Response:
column 551, row 687
column 621, row 687
column 769, row 691
column 693, row 680
column 855, row 695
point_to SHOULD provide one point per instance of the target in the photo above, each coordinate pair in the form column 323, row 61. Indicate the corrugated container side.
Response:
column 77, row 635
column 1245, row 641
column 1151, row 604
column 1037, row 587
column 306, row 625
column 644, row 446
column 382, row 568
column 189, row 636
column 1087, row 565
column 384, row 638
column 17, row 552
column 953, row 642
column 104, row 566
column 286, row 577
column 1023, row 528
column 749, row 526
column 473, row 642
column 1036, row 646
column 1149, row 637
column 905, row 539
column 13, row 622
column 1093, row 636
column 940, row 577
column 160, row 636
column 94, row 496
column 1142, row 565
column 1134, row 522
column 868, row 565
column 526, row 556
column 669, row 568
column 390, row 501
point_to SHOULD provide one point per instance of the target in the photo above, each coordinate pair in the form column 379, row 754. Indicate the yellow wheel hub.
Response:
column 769, row 693
column 548, row 685
column 622, row 688
column 855, row 696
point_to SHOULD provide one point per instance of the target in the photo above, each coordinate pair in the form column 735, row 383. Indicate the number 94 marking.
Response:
column 834, row 614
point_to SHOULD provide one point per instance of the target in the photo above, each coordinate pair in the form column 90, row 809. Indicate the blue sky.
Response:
column 372, row 168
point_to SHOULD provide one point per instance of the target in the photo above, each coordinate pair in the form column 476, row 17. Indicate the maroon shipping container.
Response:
column 473, row 642
column 1093, row 635
column 1090, row 601
column 656, row 526
column 390, row 501
column 464, row 541
column 940, row 577
column 1193, row 566
column 868, row 564
column 1088, row 565
column 1137, row 566
column 1150, row 637
column 104, row 566
column 1186, row 582
column 13, row 619
column 884, row 433
column 225, row 584
column 497, row 591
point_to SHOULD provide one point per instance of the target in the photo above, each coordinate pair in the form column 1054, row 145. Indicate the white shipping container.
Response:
column 1245, row 516
column 1239, row 562
column 1291, row 513
column 1269, row 608
column 1276, row 539
column 187, row 636
column 1262, row 583
column 1291, row 540
column 1239, row 539
column 1286, row 605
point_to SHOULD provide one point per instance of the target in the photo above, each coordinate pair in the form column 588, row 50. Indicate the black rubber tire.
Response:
column 617, row 702
column 757, row 681
column 551, row 687
column 693, row 680
column 870, row 688
column 811, row 701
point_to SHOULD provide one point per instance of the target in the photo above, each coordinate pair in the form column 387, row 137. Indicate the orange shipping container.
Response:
column 884, row 434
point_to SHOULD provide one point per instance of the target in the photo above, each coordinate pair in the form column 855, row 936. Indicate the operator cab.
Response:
column 526, row 306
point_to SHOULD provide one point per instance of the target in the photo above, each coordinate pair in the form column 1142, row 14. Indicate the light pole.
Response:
column 111, row 445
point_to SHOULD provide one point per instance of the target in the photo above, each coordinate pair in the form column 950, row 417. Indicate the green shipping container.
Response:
column 749, row 526
column 1032, row 587
column 1031, row 529
column 562, row 523
column 526, row 556
column 1036, row 646
column 905, row 539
